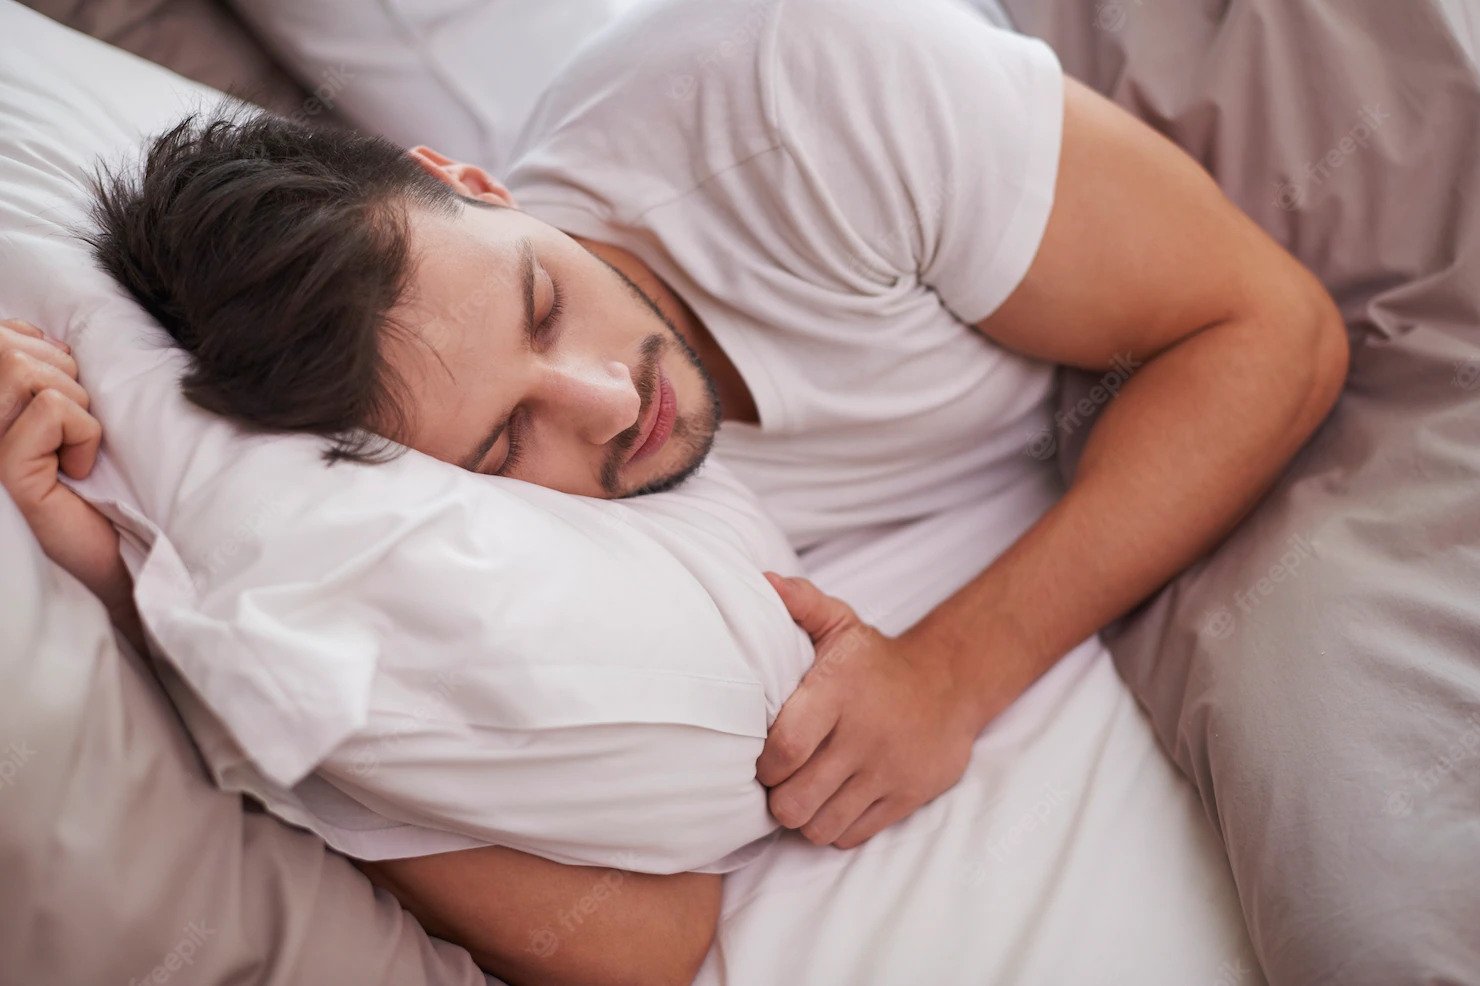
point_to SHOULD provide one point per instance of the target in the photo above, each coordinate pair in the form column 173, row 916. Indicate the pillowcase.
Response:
column 463, row 75
column 478, row 660
column 99, row 786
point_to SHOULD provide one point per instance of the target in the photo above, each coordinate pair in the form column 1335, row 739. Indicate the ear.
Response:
column 465, row 179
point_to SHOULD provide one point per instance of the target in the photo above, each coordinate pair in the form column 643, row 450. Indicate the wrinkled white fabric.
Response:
column 480, row 659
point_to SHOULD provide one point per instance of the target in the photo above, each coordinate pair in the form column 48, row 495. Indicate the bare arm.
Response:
column 530, row 921
column 1240, row 354
column 45, row 431
column 523, row 918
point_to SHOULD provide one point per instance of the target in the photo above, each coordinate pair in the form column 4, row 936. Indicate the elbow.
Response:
column 1328, row 358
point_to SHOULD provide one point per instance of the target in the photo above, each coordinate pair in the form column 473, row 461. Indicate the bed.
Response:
column 1075, row 850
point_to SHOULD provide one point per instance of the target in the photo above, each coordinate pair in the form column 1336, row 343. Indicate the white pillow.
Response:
column 479, row 660
column 461, row 75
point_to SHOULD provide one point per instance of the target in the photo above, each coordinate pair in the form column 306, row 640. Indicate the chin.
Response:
column 687, row 448
column 694, row 427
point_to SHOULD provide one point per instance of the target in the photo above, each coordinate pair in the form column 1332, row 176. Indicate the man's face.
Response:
column 527, row 356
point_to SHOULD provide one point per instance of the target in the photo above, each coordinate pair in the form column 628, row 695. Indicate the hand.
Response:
column 872, row 732
column 46, row 430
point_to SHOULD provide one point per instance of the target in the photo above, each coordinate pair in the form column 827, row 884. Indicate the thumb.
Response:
column 814, row 611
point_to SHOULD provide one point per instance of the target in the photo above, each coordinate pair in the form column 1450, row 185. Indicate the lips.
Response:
column 660, row 425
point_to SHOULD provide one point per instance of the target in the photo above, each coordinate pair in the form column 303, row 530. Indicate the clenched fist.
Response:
column 45, row 431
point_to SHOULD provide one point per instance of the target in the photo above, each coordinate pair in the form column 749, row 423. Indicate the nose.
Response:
column 600, row 397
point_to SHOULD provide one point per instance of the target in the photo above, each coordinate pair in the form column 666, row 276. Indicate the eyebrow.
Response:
column 475, row 458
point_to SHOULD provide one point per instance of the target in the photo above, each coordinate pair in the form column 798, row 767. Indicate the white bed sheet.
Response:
column 1071, row 852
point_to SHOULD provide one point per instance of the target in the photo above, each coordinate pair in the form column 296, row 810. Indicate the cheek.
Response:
column 553, row 460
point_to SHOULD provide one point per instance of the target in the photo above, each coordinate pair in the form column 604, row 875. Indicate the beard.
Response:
column 693, row 433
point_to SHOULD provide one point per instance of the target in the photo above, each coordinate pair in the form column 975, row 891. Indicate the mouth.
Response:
column 655, row 432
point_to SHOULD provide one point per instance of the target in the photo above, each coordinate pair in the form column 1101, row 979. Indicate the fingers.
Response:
column 23, row 327
column 842, row 810
column 801, row 726
column 22, row 376
column 19, row 326
column 879, row 816
column 814, row 611
column 52, row 430
column 81, row 435
column 44, row 350
column 796, row 801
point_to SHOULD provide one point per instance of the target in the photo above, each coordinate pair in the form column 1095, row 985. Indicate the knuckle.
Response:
column 15, row 363
column 50, row 400
column 786, row 809
column 785, row 751
column 916, row 794
column 816, row 834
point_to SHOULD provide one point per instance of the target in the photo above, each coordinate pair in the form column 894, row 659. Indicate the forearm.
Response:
column 84, row 542
column 1195, row 438
column 528, row 920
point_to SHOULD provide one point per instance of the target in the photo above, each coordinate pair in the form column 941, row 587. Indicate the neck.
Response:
column 735, row 397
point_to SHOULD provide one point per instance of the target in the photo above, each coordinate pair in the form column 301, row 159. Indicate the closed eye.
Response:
column 545, row 334
column 547, row 331
column 516, row 445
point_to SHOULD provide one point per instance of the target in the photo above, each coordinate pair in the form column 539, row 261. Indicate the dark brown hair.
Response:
column 273, row 252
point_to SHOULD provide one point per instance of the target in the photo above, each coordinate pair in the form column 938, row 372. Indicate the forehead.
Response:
column 463, row 266
column 462, row 316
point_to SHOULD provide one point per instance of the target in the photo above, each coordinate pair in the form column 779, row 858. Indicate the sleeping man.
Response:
column 844, row 244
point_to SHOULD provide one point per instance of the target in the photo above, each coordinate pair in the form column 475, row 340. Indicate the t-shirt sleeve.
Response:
column 929, row 136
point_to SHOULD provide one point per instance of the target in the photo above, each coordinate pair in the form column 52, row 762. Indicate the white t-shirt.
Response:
column 837, row 188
